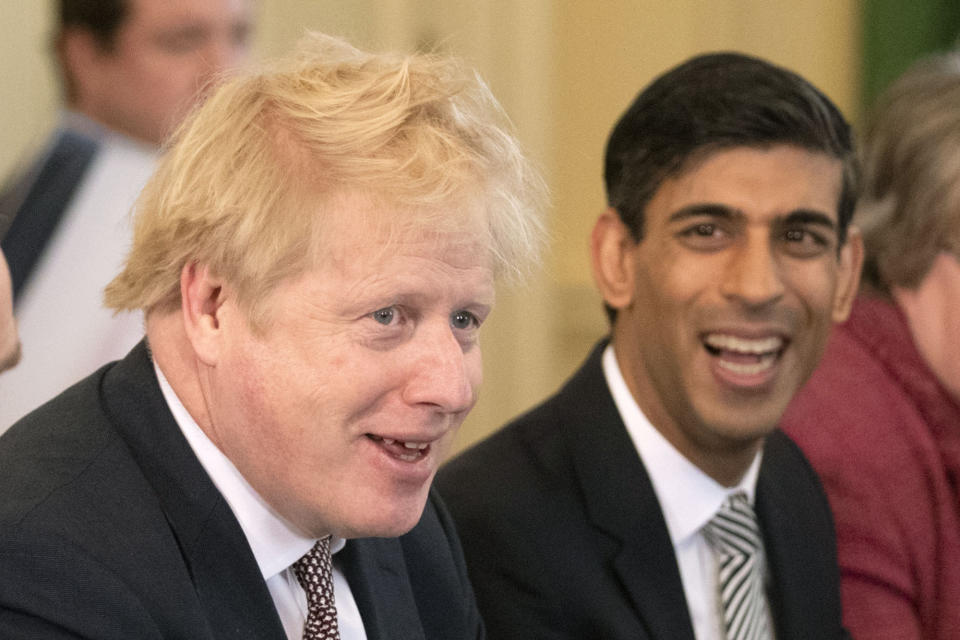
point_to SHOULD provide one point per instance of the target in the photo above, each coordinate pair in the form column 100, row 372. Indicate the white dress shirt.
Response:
column 688, row 498
column 275, row 543
column 65, row 331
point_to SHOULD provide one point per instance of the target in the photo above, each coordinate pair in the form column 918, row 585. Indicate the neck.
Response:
column 174, row 356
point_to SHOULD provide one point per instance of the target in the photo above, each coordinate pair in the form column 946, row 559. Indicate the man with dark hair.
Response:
column 653, row 496
column 130, row 70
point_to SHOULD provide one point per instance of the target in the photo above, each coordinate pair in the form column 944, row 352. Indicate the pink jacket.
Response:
column 885, row 438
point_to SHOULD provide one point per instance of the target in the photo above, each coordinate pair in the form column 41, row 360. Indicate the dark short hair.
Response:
column 102, row 18
column 715, row 102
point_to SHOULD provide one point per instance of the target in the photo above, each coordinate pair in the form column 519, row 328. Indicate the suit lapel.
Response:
column 621, row 503
column 225, row 574
column 802, row 564
column 377, row 574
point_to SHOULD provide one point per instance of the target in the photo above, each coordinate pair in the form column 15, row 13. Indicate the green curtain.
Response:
column 898, row 32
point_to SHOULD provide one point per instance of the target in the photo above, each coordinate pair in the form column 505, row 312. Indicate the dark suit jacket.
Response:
column 565, row 538
column 110, row 528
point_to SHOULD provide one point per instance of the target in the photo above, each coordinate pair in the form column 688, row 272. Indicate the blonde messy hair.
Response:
column 242, row 186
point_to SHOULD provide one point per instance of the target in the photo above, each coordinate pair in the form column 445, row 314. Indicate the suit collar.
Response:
column 224, row 572
column 621, row 502
column 275, row 543
column 803, row 567
column 688, row 497
column 378, row 577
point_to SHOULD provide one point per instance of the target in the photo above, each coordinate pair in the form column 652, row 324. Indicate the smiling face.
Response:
column 339, row 413
column 725, row 305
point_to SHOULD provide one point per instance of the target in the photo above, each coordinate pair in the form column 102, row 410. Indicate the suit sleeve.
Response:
column 36, row 601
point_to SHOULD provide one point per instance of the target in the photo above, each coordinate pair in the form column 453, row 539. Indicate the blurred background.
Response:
column 564, row 70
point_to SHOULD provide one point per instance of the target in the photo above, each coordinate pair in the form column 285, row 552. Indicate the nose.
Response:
column 443, row 375
column 752, row 275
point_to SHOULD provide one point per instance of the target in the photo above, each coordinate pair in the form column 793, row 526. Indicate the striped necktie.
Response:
column 734, row 535
column 314, row 572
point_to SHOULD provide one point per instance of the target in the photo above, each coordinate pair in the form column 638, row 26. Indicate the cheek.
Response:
column 474, row 365
column 816, row 287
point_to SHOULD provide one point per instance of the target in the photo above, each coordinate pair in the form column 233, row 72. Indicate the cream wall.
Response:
column 564, row 69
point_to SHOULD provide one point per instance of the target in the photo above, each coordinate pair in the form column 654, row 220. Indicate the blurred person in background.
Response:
column 880, row 417
column 130, row 70
column 9, row 342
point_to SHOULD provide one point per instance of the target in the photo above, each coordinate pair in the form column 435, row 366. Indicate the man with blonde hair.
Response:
column 880, row 418
column 315, row 255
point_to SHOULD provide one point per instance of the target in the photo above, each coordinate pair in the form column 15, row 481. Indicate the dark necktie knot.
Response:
column 314, row 572
column 734, row 529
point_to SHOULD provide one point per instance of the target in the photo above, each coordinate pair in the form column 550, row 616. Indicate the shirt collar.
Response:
column 688, row 497
column 275, row 543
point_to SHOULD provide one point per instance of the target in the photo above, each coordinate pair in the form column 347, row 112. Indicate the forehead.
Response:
column 159, row 14
column 757, row 182
column 351, row 224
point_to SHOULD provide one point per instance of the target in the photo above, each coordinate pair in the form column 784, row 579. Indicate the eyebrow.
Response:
column 811, row 216
column 713, row 210
column 706, row 209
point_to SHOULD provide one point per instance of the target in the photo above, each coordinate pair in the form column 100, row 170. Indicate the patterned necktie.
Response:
column 735, row 537
column 315, row 574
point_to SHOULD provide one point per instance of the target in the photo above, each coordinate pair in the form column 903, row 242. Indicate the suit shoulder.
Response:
column 51, row 448
column 513, row 461
column 782, row 454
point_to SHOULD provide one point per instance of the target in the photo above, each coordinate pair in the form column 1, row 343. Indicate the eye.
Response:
column 705, row 236
column 804, row 243
column 463, row 320
column 385, row 316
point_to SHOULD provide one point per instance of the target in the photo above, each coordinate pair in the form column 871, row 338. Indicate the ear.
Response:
column 201, row 301
column 613, row 251
column 848, row 281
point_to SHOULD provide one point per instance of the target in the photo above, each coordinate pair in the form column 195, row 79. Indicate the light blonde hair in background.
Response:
column 243, row 184
column 910, row 207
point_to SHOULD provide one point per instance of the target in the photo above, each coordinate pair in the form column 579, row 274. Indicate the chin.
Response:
column 386, row 520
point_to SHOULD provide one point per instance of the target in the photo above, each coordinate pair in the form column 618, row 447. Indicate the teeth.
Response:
column 413, row 457
column 743, row 345
column 417, row 446
column 753, row 368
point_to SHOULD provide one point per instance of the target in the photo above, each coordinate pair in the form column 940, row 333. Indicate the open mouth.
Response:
column 744, row 356
column 407, row 451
